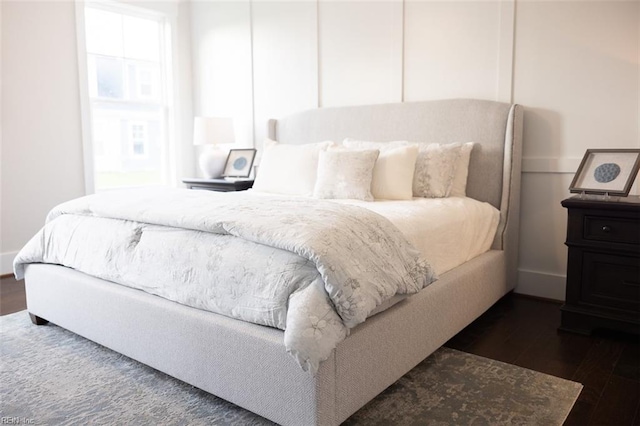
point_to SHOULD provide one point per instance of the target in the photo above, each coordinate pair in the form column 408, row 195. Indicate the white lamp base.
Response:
column 212, row 161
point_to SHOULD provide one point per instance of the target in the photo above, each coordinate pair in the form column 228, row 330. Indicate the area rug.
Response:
column 49, row 376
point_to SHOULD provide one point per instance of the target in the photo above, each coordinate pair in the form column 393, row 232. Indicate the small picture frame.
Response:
column 607, row 171
column 239, row 163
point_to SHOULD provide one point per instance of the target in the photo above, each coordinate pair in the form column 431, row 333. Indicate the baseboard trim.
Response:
column 6, row 262
column 541, row 284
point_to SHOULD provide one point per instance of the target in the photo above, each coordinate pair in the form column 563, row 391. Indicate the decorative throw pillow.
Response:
column 393, row 173
column 345, row 174
column 289, row 169
column 459, row 185
column 435, row 166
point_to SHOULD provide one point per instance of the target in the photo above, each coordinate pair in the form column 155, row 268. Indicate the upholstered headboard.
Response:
column 494, row 169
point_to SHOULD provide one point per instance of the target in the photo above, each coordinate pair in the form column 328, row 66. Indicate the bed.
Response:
column 247, row 364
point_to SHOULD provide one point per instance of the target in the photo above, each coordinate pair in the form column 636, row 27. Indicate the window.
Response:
column 138, row 137
column 128, row 76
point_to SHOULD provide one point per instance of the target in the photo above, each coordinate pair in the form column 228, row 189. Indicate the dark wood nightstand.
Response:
column 603, row 270
column 221, row 185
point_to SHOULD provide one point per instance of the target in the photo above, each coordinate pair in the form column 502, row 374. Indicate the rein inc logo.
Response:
column 16, row 421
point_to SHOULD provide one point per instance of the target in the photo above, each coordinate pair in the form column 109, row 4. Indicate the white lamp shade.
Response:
column 213, row 130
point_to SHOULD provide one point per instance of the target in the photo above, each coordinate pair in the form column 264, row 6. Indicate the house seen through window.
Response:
column 139, row 138
column 128, row 65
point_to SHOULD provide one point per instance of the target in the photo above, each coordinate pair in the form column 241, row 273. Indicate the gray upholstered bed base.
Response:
column 246, row 363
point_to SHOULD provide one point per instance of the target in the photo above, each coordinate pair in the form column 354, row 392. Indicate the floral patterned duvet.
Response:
column 312, row 268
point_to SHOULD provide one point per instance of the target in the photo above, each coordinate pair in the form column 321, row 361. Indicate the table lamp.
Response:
column 211, row 132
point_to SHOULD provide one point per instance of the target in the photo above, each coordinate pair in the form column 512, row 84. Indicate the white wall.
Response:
column 221, row 63
column 42, row 155
column 41, row 140
column 451, row 50
column 574, row 65
column 360, row 52
column 285, row 60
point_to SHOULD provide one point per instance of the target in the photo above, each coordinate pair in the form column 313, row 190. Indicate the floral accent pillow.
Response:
column 345, row 174
column 435, row 170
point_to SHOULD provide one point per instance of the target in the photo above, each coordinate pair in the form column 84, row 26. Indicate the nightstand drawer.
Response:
column 611, row 281
column 615, row 230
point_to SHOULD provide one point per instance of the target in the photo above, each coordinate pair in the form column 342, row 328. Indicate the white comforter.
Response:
column 313, row 268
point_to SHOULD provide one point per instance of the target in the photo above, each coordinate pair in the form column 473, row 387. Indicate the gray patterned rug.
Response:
column 50, row 376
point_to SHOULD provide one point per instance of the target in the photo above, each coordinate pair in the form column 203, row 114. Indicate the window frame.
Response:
column 166, row 93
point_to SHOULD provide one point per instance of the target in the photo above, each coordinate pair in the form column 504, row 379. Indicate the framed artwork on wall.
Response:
column 606, row 171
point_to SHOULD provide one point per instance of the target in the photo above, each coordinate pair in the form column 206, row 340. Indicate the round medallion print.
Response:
column 240, row 163
column 606, row 172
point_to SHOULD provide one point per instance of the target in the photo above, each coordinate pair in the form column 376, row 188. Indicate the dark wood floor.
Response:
column 12, row 296
column 523, row 331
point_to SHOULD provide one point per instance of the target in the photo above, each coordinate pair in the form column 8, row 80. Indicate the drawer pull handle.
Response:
column 606, row 229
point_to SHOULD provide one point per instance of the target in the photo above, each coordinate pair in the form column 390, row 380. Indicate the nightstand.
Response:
column 603, row 270
column 221, row 185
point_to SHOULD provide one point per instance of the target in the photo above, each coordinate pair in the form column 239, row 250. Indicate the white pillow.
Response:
column 435, row 166
column 345, row 174
column 393, row 173
column 459, row 185
column 289, row 169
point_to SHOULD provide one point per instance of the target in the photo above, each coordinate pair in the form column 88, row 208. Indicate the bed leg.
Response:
column 37, row 320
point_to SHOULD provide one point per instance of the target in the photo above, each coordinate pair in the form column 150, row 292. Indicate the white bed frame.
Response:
column 247, row 363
